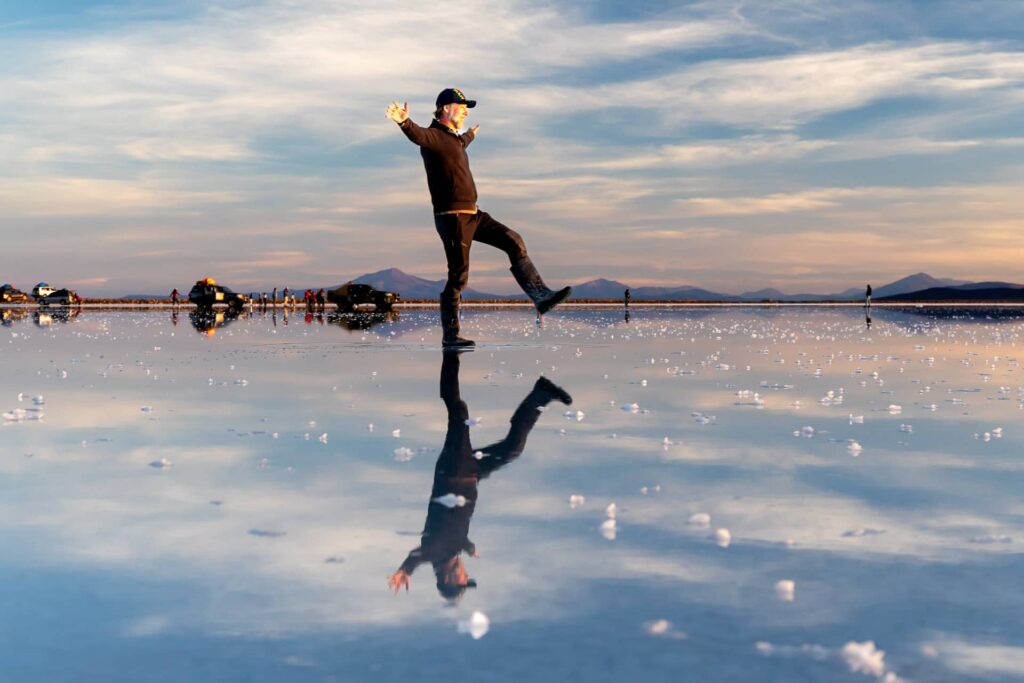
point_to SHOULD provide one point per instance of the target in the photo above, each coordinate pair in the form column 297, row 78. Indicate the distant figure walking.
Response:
column 308, row 299
column 274, row 299
column 867, row 297
column 457, row 218
column 627, row 297
column 174, row 297
column 285, row 296
column 321, row 300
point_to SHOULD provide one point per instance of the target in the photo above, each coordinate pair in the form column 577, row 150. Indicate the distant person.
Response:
column 274, row 300
column 457, row 473
column 174, row 297
column 285, row 293
column 307, row 298
column 457, row 218
column 867, row 297
column 626, row 297
column 321, row 300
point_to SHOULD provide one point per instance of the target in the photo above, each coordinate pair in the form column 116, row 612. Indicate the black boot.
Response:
column 547, row 391
column 531, row 282
column 450, row 338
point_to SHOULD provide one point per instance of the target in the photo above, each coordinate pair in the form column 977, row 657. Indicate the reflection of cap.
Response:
column 453, row 96
column 451, row 591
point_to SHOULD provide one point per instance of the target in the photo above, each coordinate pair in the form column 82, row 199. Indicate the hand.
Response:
column 474, row 129
column 475, row 554
column 399, row 579
column 398, row 114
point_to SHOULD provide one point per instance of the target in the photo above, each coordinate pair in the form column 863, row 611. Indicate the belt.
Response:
column 457, row 211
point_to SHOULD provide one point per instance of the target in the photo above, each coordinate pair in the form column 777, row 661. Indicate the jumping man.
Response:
column 457, row 218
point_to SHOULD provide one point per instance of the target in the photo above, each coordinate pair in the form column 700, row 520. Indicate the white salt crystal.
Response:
column 723, row 538
column 701, row 520
column 659, row 627
column 476, row 626
column 864, row 658
column 785, row 590
column 451, row 500
column 576, row 500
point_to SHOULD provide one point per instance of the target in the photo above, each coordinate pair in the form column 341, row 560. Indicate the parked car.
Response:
column 206, row 293
column 42, row 290
column 351, row 295
column 10, row 295
column 60, row 297
column 207, row 321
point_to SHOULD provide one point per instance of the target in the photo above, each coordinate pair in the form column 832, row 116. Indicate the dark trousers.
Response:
column 458, row 231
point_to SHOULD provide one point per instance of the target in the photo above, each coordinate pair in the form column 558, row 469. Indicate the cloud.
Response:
column 784, row 92
column 65, row 196
column 249, row 125
column 775, row 203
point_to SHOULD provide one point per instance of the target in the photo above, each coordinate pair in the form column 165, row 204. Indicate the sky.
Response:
column 807, row 145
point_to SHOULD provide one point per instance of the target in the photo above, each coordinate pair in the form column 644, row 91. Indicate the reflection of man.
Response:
column 458, row 220
column 458, row 470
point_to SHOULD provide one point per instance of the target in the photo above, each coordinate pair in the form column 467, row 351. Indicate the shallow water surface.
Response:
column 732, row 494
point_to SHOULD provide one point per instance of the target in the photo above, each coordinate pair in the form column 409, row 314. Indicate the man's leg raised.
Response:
column 497, row 235
column 456, row 236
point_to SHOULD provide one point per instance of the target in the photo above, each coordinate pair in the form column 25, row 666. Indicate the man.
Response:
column 457, row 218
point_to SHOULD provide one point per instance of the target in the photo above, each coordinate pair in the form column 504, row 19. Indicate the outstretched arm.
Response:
column 424, row 137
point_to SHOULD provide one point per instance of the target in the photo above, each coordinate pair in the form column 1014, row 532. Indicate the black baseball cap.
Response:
column 453, row 96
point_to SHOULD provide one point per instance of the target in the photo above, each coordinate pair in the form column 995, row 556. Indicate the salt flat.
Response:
column 732, row 494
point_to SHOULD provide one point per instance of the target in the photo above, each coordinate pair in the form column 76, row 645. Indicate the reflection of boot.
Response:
column 450, row 338
column 531, row 282
column 544, row 391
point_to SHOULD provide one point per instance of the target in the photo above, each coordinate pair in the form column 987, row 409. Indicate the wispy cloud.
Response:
column 266, row 121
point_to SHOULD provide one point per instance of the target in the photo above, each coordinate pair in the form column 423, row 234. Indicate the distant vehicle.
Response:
column 354, row 323
column 207, row 321
column 206, row 293
column 10, row 295
column 8, row 316
column 42, row 290
column 350, row 295
column 46, row 317
column 60, row 297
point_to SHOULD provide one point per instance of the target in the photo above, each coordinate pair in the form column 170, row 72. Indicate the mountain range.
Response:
column 946, row 289
column 916, row 287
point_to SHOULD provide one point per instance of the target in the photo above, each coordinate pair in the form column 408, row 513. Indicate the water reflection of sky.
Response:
column 197, row 506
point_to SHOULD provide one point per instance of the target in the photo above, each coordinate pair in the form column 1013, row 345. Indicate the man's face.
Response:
column 456, row 574
column 457, row 113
